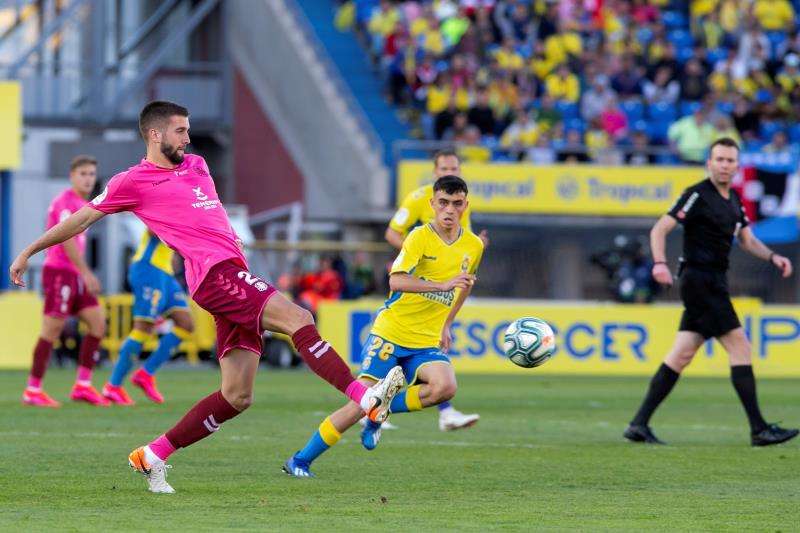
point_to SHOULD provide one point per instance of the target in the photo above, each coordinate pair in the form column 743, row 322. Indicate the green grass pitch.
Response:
column 546, row 455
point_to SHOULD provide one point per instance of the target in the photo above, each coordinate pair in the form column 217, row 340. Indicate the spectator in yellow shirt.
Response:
column 774, row 15
column 507, row 57
column 563, row 85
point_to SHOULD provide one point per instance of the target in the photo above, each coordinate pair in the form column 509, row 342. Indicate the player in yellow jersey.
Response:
column 416, row 209
column 156, row 293
column 430, row 279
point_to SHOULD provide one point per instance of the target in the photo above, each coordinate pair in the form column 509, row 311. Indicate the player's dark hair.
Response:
column 723, row 141
column 158, row 113
column 446, row 152
column 80, row 160
column 450, row 185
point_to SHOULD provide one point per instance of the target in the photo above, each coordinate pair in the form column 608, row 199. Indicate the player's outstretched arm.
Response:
column 66, row 229
column 403, row 282
column 658, row 247
column 76, row 258
column 753, row 245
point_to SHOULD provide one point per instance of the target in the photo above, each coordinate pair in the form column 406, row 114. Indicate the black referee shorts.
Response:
column 707, row 307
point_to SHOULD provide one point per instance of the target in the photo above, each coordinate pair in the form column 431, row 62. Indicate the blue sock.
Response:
column 398, row 404
column 130, row 348
column 322, row 439
column 444, row 405
column 166, row 346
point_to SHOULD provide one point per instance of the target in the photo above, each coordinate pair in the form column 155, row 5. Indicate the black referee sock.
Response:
column 745, row 384
column 660, row 387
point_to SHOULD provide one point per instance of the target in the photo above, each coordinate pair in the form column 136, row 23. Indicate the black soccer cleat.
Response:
column 639, row 433
column 772, row 434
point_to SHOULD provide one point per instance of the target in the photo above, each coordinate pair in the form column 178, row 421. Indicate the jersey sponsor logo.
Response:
column 444, row 297
column 100, row 197
column 203, row 201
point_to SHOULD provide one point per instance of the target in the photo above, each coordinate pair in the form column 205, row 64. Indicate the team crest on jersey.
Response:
column 465, row 264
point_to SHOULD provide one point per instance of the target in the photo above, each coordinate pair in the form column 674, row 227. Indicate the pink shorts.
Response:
column 236, row 299
column 65, row 293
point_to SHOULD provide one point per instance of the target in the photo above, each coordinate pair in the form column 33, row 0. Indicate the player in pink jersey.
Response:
column 69, row 289
column 174, row 195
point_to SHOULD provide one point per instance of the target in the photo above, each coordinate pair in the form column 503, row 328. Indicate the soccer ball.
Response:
column 529, row 342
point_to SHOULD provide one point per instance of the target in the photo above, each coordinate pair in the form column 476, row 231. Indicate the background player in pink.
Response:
column 69, row 289
column 174, row 195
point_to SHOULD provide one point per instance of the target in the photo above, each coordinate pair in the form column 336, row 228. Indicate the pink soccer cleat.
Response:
column 88, row 394
column 38, row 398
column 147, row 383
column 117, row 395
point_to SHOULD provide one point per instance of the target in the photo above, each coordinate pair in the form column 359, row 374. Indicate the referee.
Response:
column 712, row 215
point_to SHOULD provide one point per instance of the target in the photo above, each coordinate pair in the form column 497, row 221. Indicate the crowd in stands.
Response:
column 579, row 80
column 331, row 279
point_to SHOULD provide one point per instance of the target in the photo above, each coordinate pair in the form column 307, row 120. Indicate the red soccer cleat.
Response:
column 38, row 398
column 117, row 395
column 88, row 394
column 147, row 383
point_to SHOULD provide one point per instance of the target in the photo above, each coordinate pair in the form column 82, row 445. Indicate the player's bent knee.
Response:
column 443, row 391
column 240, row 401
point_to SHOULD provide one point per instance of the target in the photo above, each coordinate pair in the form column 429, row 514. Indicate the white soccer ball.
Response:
column 529, row 342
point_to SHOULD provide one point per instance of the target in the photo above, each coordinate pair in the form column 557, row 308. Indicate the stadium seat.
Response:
column 674, row 20
column 667, row 159
column 633, row 109
column 776, row 39
column 568, row 110
column 575, row 124
column 662, row 112
column 681, row 39
column 657, row 131
column 794, row 133
column 725, row 107
column 768, row 129
column 716, row 54
column 688, row 107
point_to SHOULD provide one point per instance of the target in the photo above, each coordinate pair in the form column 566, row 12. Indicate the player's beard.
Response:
column 171, row 153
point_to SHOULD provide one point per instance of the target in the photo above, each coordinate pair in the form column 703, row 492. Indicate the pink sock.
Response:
column 162, row 447
column 355, row 391
column 34, row 382
column 84, row 373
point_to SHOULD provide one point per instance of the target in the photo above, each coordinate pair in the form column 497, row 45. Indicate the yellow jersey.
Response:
column 154, row 252
column 416, row 208
column 415, row 320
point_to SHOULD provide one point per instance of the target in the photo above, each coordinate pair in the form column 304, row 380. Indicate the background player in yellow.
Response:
column 416, row 209
column 430, row 280
column 156, row 293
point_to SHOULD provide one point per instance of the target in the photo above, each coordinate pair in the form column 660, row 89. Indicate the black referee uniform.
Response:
column 710, row 223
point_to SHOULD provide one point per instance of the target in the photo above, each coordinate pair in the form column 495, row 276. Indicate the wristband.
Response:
column 771, row 256
column 659, row 263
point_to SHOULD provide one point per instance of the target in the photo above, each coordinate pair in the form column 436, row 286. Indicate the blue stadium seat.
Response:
column 716, row 54
column 633, row 109
column 768, row 129
column 725, row 107
column 684, row 55
column 667, row 159
column 674, row 19
column 575, row 124
column 662, row 112
column 681, row 39
column 657, row 131
column 776, row 39
column 794, row 133
column 644, row 35
column 568, row 110
column 688, row 107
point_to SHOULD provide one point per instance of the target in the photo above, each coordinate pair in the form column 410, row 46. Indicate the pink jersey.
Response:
column 61, row 207
column 181, row 206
